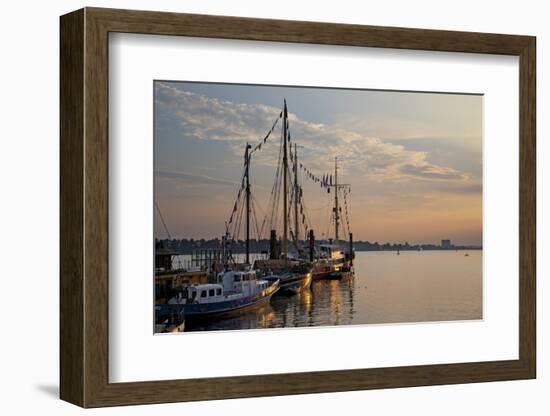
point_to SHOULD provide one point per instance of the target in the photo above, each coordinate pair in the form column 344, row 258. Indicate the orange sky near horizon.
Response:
column 413, row 160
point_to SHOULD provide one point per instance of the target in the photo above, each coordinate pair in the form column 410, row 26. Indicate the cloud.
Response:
column 427, row 171
column 463, row 188
column 193, row 178
column 208, row 118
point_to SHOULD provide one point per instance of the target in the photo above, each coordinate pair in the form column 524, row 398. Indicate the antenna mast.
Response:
column 285, row 185
column 296, row 196
column 247, row 191
column 336, row 208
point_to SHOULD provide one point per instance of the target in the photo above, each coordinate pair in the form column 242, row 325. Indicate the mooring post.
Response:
column 273, row 245
column 351, row 249
column 311, row 245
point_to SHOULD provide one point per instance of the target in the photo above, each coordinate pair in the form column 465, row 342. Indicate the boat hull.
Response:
column 321, row 272
column 291, row 283
column 331, row 271
column 292, row 277
column 225, row 309
column 295, row 284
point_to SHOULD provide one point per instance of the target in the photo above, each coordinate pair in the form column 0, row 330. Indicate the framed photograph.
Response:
column 255, row 207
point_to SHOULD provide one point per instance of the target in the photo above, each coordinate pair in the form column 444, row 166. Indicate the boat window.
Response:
column 218, row 292
column 203, row 294
column 211, row 292
column 237, row 278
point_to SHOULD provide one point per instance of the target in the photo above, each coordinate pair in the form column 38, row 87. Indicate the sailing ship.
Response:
column 288, row 259
column 333, row 261
column 288, row 268
column 285, row 263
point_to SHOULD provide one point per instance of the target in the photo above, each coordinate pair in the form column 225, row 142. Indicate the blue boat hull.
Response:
column 227, row 308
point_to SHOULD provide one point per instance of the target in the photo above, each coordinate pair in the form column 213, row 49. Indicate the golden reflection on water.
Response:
column 413, row 287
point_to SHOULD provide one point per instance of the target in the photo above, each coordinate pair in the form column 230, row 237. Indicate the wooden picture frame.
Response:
column 84, row 207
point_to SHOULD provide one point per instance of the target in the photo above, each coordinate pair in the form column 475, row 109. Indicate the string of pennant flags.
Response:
column 235, row 206
column 262, row 141
column 303, row 212
column 325, row 181
column 266, row 137
column 346, row 193
column 302, row 215
column 255, row 149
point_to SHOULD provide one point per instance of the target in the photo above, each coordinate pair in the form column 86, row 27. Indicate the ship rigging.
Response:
column 295, row 219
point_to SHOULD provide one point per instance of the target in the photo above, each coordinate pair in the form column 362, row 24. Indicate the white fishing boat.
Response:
column 331, row 262
column 234, row 292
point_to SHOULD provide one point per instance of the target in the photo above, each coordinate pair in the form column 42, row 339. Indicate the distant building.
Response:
column 446, row 244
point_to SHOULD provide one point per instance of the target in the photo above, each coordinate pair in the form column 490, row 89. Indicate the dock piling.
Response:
column 311, row 245
column 351, row 249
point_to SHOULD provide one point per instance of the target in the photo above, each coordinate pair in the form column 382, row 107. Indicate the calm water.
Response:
column 387, row 288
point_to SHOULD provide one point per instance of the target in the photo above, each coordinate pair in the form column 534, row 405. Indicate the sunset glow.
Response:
column 413, row 160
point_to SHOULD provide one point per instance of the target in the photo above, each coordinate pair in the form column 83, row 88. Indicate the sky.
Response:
column 413, row 160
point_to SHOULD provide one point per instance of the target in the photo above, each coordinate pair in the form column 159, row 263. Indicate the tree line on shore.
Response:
column 188, row 246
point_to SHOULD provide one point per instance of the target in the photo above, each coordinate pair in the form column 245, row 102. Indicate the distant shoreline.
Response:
column 190, row 246
column 430, row 249
column 365, row 251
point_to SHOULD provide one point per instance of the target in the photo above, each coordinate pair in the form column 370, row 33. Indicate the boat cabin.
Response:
column 331, row 252
column 205, row 293
column 238, row 281
column 230, row 284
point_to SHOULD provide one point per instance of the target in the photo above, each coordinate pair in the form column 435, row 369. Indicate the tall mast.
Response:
column 296, row 197
column 247, row 192
column 285, row 185
column 336, row 186
column 336, row 209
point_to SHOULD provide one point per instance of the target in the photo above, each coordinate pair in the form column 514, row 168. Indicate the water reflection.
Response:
column 412, row 287
column 327, row 302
